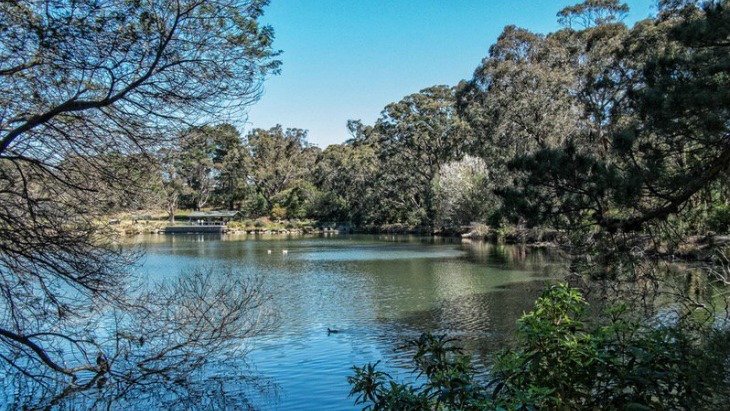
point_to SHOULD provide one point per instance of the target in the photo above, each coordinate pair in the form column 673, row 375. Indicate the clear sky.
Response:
column 347, row 59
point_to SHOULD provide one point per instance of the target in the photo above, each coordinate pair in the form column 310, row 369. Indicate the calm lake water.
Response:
column 377, row 290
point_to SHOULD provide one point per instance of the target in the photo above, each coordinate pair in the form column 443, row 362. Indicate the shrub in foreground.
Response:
column 560, row 362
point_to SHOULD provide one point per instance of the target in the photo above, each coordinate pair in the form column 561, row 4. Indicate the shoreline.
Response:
column 693, row 248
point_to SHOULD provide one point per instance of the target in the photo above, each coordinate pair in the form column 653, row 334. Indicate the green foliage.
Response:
column 345, row 176
column 449, row 380
column 328, row 206
column 213, row 165
column 651, row 108
column 416, row 137
column 209, row 160
column 281, row 161
column 560, row 362
column 278, row 212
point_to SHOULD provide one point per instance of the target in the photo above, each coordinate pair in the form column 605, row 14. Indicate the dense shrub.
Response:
column 562, row 363
column 278, row 212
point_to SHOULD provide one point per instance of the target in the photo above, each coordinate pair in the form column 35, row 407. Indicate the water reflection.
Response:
column 482, row 322
column 231, row 387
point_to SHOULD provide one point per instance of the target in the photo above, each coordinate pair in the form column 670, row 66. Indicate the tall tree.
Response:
column 280, row 161
column 670, row 142
column 232, row 165
column 171, row 184
column 345, row 174
column 566, row 92
column 417, row 135
column 195, row 165
column 519, row 100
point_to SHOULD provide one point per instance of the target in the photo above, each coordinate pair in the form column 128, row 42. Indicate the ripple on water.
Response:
column 379, row 252
column 378, row 293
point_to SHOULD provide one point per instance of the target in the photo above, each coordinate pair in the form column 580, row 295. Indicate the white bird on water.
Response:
column 268, row 251
column 285, row 252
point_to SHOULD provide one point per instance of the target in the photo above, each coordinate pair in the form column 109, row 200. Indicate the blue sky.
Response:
column 347, row 59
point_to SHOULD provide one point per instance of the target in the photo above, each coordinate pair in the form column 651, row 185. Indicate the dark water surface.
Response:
column 377, row 290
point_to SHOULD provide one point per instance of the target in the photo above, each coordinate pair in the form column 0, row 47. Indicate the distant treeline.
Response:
column 595, row 125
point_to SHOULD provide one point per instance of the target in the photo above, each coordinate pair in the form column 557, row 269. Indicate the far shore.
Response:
column 695, row 248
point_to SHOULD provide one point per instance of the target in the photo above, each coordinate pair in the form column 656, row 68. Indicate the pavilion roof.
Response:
column 213, row 214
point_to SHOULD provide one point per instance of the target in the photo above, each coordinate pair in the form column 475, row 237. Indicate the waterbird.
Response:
column 268, row 251
column 285, row 251
column 331, row 331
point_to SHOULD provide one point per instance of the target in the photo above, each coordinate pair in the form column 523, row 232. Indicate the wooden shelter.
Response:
column 219, row 218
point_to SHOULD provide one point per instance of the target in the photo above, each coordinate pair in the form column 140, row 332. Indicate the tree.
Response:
column 156, row 345
column 84, row 80
column 463, row 194
column 521, row 99
column 196, row 166
column 669, row 143
column 280, row 161
column 232, row 164
column 417, row 135
column 171, row 185
column 345, row 175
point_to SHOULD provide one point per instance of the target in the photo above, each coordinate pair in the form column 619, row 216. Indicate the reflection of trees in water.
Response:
column 174, row 345
column 483, row 323
column 517, row 256
column 653, row 288
column 224, row 388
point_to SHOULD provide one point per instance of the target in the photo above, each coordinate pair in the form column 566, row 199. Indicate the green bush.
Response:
column 278, row 212
column 235, row 225
column 561, row 363
column 449, row 380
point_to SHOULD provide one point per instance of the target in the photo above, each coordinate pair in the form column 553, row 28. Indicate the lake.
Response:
column 377, row 290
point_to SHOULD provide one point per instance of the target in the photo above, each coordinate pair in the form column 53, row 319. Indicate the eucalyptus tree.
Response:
column 170, row 183
column 519, row 101
column 416, row 136
column 519, row 98
column 208, row 167
column 345, row 175
column 562, row 97
column 196, row 167
column 231, row 164
column 603, row 71
column 280, row 160
column 85, row 79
